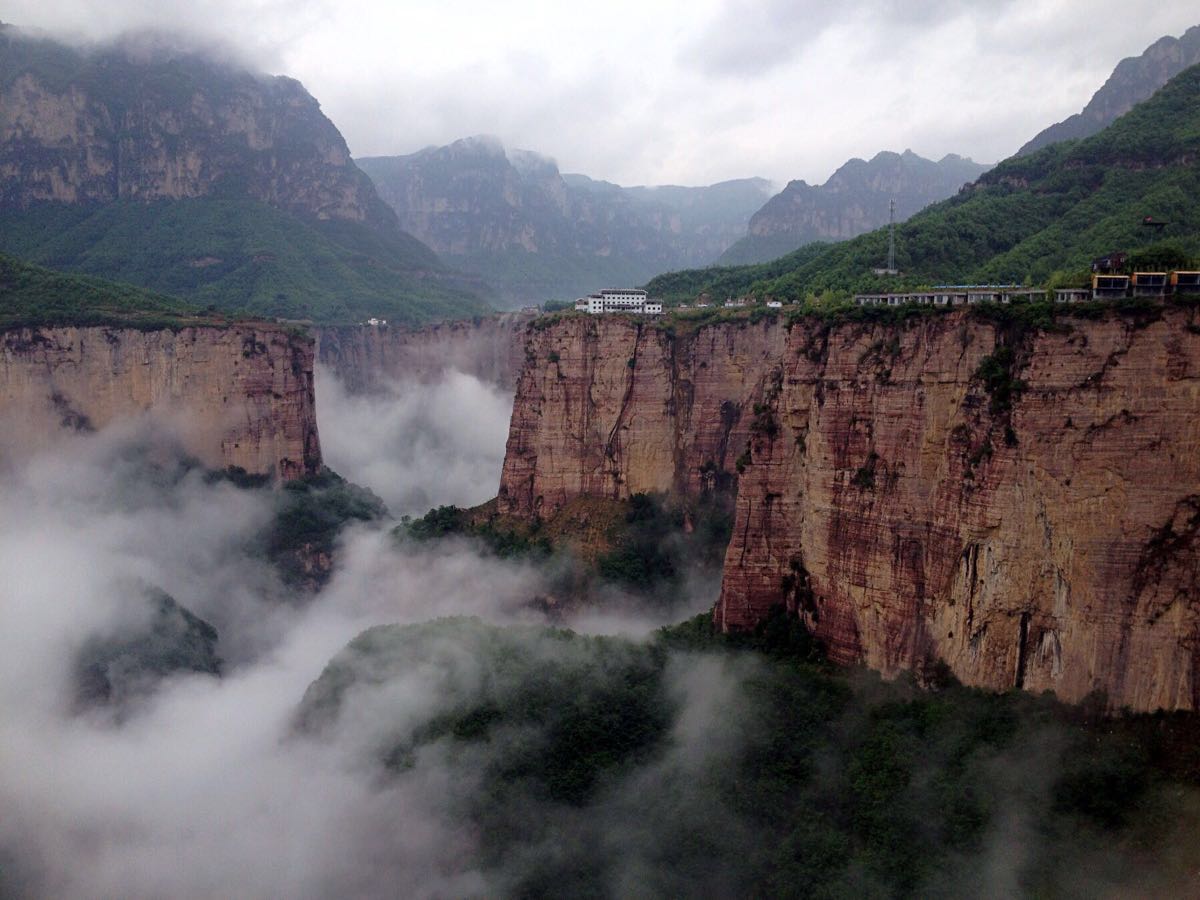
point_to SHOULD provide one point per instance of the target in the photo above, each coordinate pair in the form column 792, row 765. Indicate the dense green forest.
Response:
column 1034, row 219
column 31, row 295
column 239, row 254
column 705, row 765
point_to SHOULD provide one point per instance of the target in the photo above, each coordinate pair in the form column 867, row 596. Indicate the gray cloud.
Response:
column 667, row 93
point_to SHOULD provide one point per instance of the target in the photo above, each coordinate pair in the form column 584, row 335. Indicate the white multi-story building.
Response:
column 620, row 300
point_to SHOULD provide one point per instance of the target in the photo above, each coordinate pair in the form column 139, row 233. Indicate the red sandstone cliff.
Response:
column 238, row 396
column 895, row 499
column 610, row 407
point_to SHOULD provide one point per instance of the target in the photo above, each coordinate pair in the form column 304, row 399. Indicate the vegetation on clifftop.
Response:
column 33, row 296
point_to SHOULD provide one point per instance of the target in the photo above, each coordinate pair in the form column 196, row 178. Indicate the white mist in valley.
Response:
column 417, row 444
column 202, row 789
column 214, row 786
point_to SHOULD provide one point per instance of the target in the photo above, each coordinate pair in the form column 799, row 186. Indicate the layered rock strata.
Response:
column 1019, row 508
column 237, row 396
column 610, row 407
column 364, row 357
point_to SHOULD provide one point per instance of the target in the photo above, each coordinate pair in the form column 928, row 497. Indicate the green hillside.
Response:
column 1032, row 219
column 194, row 176
column 239, row 254
column 30, row 295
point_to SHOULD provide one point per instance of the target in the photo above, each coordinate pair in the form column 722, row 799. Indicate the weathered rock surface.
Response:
column 238, row 396
column 904, row 512
column 492, row 348
column 610, row 407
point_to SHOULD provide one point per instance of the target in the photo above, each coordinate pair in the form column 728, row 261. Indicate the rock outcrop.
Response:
column 148, row 120
column 237, row 396
column 363, row 357
column 1018, row 507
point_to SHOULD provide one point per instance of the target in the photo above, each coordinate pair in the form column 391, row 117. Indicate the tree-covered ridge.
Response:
column 1132, row 81
column 240, row 254
column 1030, row 220
column 31, row 295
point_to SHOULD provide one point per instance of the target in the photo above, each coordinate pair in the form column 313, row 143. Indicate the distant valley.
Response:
column 510, row 217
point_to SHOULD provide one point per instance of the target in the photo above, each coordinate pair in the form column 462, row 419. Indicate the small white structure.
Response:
column 376, row 322
column 613, row 300
column 1072, row 295
column 775, row 304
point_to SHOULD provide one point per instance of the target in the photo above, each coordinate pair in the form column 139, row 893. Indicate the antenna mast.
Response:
column 892, row 237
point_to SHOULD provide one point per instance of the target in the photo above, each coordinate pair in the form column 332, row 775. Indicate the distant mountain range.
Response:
column 1033, row 218
column 856, row 199
column 513, row 219
column 1132, row 81
column 153, row 164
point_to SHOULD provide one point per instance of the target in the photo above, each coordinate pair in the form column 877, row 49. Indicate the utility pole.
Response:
column 892, row 237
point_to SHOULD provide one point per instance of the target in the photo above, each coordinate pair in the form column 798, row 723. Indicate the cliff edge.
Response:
column 240, row 395
column 1018, row 506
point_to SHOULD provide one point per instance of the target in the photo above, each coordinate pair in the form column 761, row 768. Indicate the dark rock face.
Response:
column 119, row 670
column 1132, row 81
column 138, row 122
column 537, row 234
column 853, row 201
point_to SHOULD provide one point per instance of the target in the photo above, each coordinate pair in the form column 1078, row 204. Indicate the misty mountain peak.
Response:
column 855, row 199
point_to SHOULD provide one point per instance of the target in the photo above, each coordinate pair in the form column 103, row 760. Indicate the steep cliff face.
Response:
column 1021, row 507
column 237, row 396
column 147, row 121
column 363, row 357
column 610, row 407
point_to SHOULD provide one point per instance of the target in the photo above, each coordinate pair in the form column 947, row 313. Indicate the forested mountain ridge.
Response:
column 1132, row 81
column 150, row 162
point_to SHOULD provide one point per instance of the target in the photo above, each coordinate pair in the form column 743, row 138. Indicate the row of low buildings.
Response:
column 1104, row 287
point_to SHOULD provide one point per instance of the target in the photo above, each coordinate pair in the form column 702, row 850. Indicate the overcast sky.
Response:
column 639, row 91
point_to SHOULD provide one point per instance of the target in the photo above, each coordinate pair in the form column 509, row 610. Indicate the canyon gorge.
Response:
column 950, row 494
